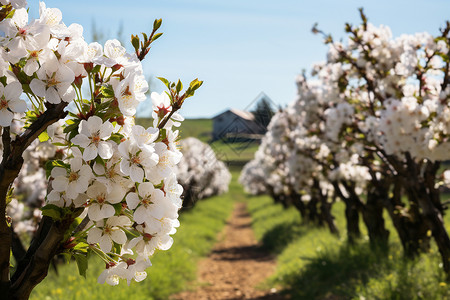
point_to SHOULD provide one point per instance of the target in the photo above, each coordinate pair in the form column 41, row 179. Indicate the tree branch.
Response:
column 9, row 170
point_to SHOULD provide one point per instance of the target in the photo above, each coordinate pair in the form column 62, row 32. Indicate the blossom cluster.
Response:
column 200, row 173
column 372, row 119
column 337, row 113
column 101, row 167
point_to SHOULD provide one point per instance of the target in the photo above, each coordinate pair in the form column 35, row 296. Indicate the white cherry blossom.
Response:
column 92, row 137
column 10, row 102
column 105, row 233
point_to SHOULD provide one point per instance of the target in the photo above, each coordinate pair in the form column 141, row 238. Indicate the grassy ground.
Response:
column 313, row 264
column 171, row 270
column 234, row 153
column 237, row 153
column 198, row 128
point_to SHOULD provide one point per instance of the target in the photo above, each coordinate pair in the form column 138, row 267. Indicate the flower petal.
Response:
column 94, row 235
column 18, row 106
column 105, row 243
column 119, row 237
column 5, row 118
column 105, row 150
column 90, row 152
column 13, row 90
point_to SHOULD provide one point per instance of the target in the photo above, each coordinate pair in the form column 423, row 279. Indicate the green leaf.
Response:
column 82, row 263
column 156, row 36
column 179, row 86
column 165, row 81
column 82, row 247
column 116, row 137
column 43, row 137
column 72, row 134
column 107, row 91
column 71, row 127
column 135, row 42
column 145, row 37
column 96, row 69
column 3, row 80
column 52, row 211
column 10, row 14
column 9, row 196
column 118, row 208
column 156, row 24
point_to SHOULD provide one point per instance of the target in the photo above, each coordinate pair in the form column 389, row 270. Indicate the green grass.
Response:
column 313, row 264
column 235, row 153
column 171, row 270
column 198, row 128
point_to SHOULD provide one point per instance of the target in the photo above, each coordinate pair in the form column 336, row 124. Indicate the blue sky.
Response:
column 240, row 48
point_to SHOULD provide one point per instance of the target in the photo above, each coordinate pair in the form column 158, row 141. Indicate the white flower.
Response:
column 173, row 190
column 110, row 275
column 22, row 37
column 10, row 102
column 54, row 86
column 166, row 163
column 15, row 3
column 105, row 233
column 113, row 49
column 73, row 182
column 49, row 16
column 92, row 51
column 129, row 92
column 92, row 138
column 149, row 202
column 100, row 200
column 110, row 173
column 144, row 136
column 38, row 57
column 161, row 108
column 136, row 160
column 134, row 269
column 146, row 244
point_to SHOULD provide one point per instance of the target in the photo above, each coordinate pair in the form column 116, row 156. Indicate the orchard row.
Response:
column 371, row 127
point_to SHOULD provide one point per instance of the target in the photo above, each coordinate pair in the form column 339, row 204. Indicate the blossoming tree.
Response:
column 200, row 173
column 381, row 114
column 112, row 188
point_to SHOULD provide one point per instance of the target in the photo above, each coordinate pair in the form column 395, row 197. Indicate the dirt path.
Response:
column 236, row 265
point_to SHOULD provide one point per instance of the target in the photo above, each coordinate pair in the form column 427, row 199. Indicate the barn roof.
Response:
column 240, row 113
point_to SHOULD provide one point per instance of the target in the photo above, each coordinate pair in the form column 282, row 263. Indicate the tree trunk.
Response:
column 421, row 190
column 434, row 219
column 325, row 209
column 299, row 205
column 312, row 211
column 408, row 223
column 372, row 213
column 351, row 214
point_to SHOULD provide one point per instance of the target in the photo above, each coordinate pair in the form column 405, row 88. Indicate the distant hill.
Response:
column 231, row 153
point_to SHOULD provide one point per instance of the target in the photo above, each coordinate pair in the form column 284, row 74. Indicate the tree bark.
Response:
column 300, row 206
column 373, row 218
column 409, row 225
column 351, row 214
column 34, row 267
column 421, row 190
column 10, row 166
column 325, row 209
